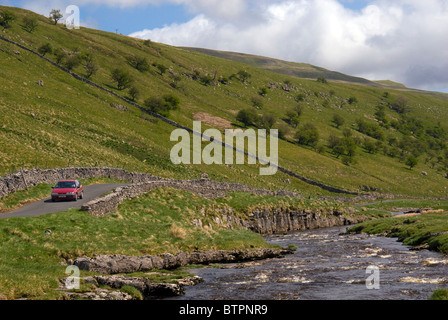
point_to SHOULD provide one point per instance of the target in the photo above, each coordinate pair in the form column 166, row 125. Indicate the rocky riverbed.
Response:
column 328, row 265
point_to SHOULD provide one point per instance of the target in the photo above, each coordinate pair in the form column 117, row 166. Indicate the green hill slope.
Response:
column 51, row 119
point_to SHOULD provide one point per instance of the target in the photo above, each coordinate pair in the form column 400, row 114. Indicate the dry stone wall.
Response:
column 203, row 187
column 29, row 178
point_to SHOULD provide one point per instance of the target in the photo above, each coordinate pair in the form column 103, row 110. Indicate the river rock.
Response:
column 115, row 264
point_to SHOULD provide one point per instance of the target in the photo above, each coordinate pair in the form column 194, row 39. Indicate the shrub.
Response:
column 352, row 100
column 139, row 63
column 247, row 117
column 45, row 48
column 338, row 121
column 267, row 121
column 283, row 131
column 243, row 75
column 60, row 55
column 91, row 68
column 308, row 135
column 401, row 105
column 162, row 69
column 257, row 102
column 122, row 78
column 72, row 62
column 263, row 91
column 134, row 92
column 322, row 80
column 163, row 105
column 411, row 161
column 6, row 18
column 30, row 22
column 371, row 129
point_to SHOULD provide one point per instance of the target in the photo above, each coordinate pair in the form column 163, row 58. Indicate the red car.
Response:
column 67, row 190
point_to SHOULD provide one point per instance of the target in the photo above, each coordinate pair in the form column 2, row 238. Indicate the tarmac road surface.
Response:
column 46, row 206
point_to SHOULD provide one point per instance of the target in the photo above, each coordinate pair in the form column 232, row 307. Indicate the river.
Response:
column 328, row 266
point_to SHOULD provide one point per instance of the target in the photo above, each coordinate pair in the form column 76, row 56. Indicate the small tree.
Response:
column 162, row 105
column 338, row 121
column 352, row 100
column 44, row 49
column 411, row 161
column 91, row 68
column 401, row 105
column 134, row 92
column 6, row 18
column 263, row 91
column 72, row 62
column 243, row 75
column 322, row 80
column 257, row 102
column 247, row 117
column 139, row 63
column 30, row 22
column 55, row 16
column 267, row 121
column 122, row 78
column 283, row 131
column 308, row 135
column 60, row 55
column 162, row 69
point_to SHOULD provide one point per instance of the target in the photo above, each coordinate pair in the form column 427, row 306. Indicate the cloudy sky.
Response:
column 400, row 40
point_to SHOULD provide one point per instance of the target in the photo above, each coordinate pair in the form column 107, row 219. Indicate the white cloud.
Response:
column 402, row 40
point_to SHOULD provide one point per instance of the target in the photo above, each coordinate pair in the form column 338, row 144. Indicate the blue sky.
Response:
column 399, row 40
column 129, row 19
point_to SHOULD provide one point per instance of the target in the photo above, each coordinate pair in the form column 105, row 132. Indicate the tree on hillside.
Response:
column 30, row 22
column 411, row 161
column 139, row 63
column 162, row 105
column 72, row 61
column 267, row 121
column 45, row 48
column 263, row 91
column 257, row 102
column 59, row 55
column 122, row 78
column 91, row 68
column 338, row 120
column 134, row 92
column 162, row 69
column 322, row 80
column 308, row 135
column 6, row 18
column 243, row 75
column 55, row 16
column 401, row 105
column 248, row 117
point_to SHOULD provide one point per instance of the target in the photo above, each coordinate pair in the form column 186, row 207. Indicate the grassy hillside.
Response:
column 67, row 122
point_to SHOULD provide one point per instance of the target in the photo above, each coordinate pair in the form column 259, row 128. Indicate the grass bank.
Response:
column 429, row 229
column 32, row 261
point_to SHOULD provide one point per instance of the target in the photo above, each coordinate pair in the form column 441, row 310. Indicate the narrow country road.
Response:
column 46, row 206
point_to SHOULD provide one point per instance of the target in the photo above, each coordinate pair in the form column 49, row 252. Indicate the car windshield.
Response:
column 66, row 185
